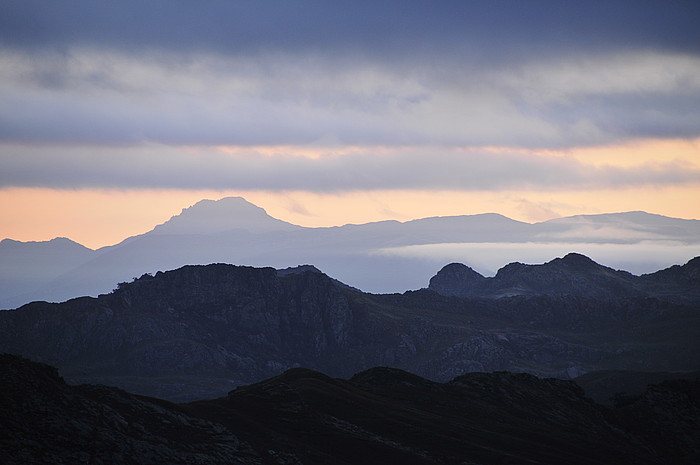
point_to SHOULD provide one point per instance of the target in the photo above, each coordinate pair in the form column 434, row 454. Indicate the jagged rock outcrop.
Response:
column 456, row 279
column 572, row 275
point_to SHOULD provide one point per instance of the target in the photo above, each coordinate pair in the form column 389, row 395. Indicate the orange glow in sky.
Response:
column 97, row 218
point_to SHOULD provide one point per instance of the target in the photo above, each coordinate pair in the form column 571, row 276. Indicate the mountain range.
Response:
column 380, row 257
column 377, row 416
column 567, row 361
column 199, row 330
column 572, row 275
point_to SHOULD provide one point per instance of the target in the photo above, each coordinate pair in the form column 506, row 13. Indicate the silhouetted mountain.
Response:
column 380, row 257
column 625, row 227
column 196, row 331
column 222, row 216
column 25, row 265
column 45, row 421
column 456, row 279
column 572, row 275
column 378, row 416
column 675, row 281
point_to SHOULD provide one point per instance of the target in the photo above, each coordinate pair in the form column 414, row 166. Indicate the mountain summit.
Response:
column 574, row 275
column 220, row 216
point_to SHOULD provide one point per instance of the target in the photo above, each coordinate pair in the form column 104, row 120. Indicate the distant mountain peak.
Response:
column 576, row 257
column 454, row 278
column 577, row 260
column 572, row 261
column 218, row 216
column 227, row 205
column 298, row 269
column 57, row 245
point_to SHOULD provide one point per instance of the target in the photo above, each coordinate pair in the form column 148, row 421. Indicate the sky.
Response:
column 114, row 116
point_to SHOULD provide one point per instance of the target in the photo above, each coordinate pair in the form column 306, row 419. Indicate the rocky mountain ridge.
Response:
column 573, row 274
column 197, row 331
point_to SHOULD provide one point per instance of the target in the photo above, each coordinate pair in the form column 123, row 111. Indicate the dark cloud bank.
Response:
column 422, row 169
column 131, row 74
column 489, row 28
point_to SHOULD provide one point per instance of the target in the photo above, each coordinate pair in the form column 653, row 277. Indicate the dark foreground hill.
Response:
column 45, row 421
column 378, row 416
column 197, row 331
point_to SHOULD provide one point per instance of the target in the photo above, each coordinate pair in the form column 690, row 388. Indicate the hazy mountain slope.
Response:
column 24, row 264
column 619, row 227
column 198, row 330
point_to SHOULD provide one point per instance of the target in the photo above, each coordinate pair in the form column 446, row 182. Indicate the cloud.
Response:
column 637, row 256
column 629, row 73
column 203, row 98
column 117, row 94
column 153, row 166
column 537, row 211
column 500, row 30
column 548, row 74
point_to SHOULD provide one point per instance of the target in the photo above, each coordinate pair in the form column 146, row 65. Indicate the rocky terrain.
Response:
column 572, row 275
column 198, row 331
column 379, row 416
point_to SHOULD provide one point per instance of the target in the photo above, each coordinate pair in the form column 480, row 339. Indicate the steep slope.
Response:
column 45, row 421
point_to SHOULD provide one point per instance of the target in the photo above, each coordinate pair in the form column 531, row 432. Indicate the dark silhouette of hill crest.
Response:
column 195, row 331
column 379, row 416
